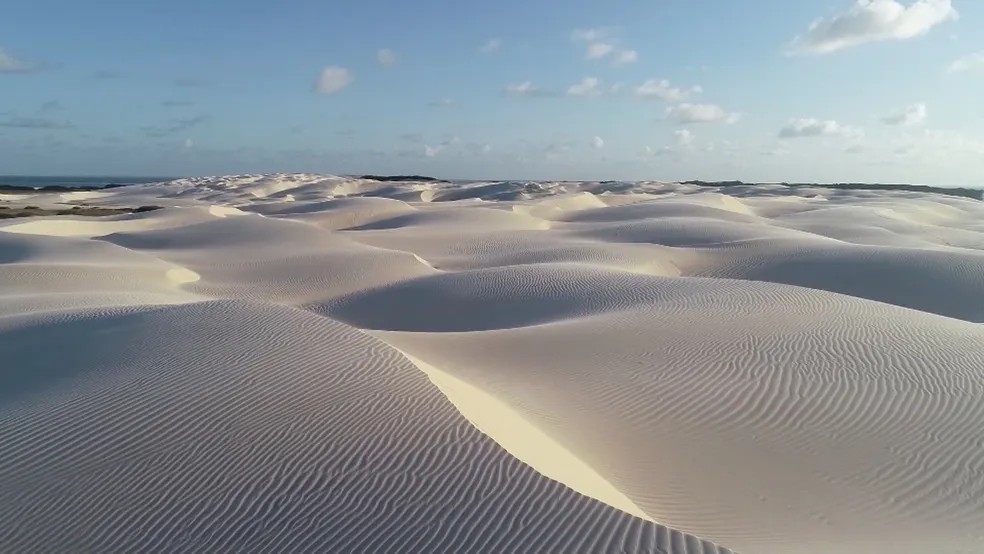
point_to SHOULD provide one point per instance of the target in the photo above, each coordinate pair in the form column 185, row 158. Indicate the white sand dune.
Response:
column 309, row 363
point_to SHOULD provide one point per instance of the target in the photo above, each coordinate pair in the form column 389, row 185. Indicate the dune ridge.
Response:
column 312, row 363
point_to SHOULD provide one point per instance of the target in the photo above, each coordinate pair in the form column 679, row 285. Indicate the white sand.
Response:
column 302, row 363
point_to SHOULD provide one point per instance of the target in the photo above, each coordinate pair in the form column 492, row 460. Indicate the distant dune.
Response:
column 313, row 363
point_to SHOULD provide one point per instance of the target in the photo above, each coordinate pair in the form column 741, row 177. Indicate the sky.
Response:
column 764, row 90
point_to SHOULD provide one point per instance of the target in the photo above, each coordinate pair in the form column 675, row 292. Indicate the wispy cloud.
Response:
column 872, row 21
column 385, row 56
column 19, row 122
column 662, row 89
column 177, row 103
column 333, row 79
column 587, row 87
column 12, row 64
column 701, row 113
column 174, row 126
column 683, row 138
column 491, row 46
column 441, row 103
column 967, row 63
column 598, row 143
column 812, row 127
column 912, row 115
column 190, row 83
column 106, row 75
column 51, row 106
column 527, row 89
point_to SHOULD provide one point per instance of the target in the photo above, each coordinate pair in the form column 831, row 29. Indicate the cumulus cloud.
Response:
column 598, row 142
column 11, row 64
column 598, row 50
column 912, row 115
column 967, row 63
column 431, row 151
column 812, row 127
column 701, row 113
column 588, row 86
column 333, row 79
column 600, row 46
column 662, row 90
column 872, row 21
column 385, row 56
column 626, row 56
column 491, row 46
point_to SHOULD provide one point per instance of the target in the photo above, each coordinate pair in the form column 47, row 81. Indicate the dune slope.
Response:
column 310, row 363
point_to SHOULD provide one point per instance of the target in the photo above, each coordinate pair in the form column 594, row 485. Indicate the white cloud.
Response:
column 626, row 56
column 662, row 90
column 188, row 143
column 587, row 87
column 442, row 103
column 872, row 21
column 912, row 115
column 431, row 151
column 598, row 50
column 385, row 56
column 525, row 88
column 333, row 79
column 701, row 113
column 854, row 149
column 11, row 64
column 683, row 138
column 966, row 63
column 598, row 142
column 491, row 46
column 812, row 127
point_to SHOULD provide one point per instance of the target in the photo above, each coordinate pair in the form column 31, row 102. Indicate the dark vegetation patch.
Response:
column 8, row 212
column 403, row 178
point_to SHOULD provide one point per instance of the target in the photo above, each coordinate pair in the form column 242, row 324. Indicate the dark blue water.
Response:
column 30, row 181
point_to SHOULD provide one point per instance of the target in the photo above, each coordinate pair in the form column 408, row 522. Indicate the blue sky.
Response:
column 812, row 90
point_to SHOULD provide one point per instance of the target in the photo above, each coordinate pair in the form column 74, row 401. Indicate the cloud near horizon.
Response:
column 587, row 87
column 872, row 21
column 967, row 63
column 663, row 90
column 912, row 115
column 811, row 127
column 701, row 113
